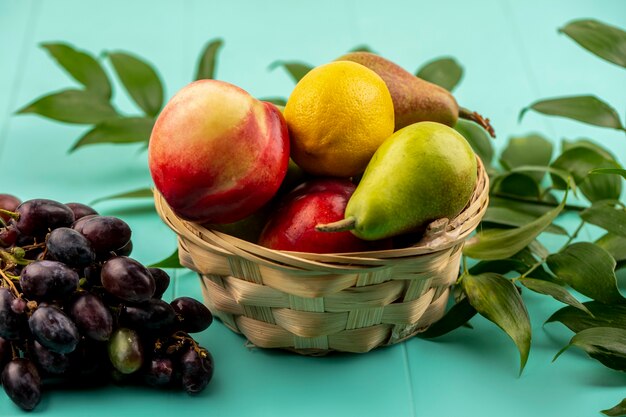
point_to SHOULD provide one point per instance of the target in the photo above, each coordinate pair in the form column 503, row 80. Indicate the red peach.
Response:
column 217, row 154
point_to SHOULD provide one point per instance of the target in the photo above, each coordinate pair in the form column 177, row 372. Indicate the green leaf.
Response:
column 588, row 269
column 527, row 150
column 478, row 138
column 508, row 217
column 171, row 261
column 605, row 344
column 139, row 193
column 140, row 80
column 532, row 207
column 501, row 244
column 122, row 130
column 607, row 42
column 586, row 109
column 296, row 70
column 605, row 171
column 578, row 162
column 72, row 106
column 362, row 48
column 586, row 143
column 608, row 216
column 604, row 315
column 279, row 101
column 82, row 67
column 445, row 72
column 556, row 291
column 208, row 60
column 457, row 316
column 517, row 184
column 618, row 410
column 613, row 244
column 497, row 299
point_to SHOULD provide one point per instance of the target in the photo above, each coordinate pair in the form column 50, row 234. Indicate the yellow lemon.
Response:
column 338, row 115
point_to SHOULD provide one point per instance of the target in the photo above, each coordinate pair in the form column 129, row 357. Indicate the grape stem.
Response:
column 10, row 283
column 11, row 214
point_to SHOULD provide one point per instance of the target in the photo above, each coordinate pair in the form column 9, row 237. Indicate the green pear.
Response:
column 415, row 100
column 423, row 172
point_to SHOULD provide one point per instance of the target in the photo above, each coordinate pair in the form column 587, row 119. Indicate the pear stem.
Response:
column 339, row 226
column 478, row 119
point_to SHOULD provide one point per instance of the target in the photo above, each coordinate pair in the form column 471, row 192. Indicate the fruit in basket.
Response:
column 292, row 226
column 415, row 100
column 338, row 114
column 63, row 320
column 217, row 154
column 423, row 172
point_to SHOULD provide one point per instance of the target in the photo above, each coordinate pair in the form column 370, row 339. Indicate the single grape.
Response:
column 8, row 236
column 81, row 210
column 48, row 361
column 53, row 329
column 106, row 233
column 89, row 359
column 125, row 250
column 152, row 314
column 38, row 216
column 91, row 316
column 8, row 202
column 48, row 280
column 19, row 305
column 127, row 279
column 22, row 383
column 5, row 352
column 193, row 315
column 161, row 281
column 11, row 323
column 79, row 223
column 125, row 350
column 70, row 247
column 159, row 372
column 196, row 367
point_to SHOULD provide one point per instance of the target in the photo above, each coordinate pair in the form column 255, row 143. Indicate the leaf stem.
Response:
column 537, row 202
column 573, row 235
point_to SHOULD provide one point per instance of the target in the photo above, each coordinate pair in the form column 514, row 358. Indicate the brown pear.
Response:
column 415, row 100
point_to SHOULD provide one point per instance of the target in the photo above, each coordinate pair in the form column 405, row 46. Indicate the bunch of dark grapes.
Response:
column 74, row 307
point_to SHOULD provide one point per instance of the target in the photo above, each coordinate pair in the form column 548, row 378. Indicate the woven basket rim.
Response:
column 454, row 233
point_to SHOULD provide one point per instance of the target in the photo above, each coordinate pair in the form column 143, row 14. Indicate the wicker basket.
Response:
column 314, row 304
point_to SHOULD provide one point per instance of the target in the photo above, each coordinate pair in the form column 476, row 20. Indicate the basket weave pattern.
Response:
column 318, row 303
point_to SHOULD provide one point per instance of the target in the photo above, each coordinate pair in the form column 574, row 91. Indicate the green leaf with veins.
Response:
column 605, row 344
column 140, row 80
column 497, row 299
column 587, row 109
column 445, row 72
column 605, row 41
column 171, row 261
column 501, row 244
column 118, row 131
column 527, row 150
column 613, row 244
column 139, row 193
column 606, row 171
column 478, row 138
column 556, row 291
column 566, row 145
column 609, row 215
column 604, row 315
column 588, row 269
column 459, row 314
column 81, row 66
column 617, row 410
column 207, row 61
column 72, row 106
column 296, row 70
column 508, row 217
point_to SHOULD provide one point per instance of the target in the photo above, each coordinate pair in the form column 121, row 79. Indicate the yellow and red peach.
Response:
column 217, row 154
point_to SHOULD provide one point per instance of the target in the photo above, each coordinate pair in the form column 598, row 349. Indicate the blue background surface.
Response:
column 512, row 55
